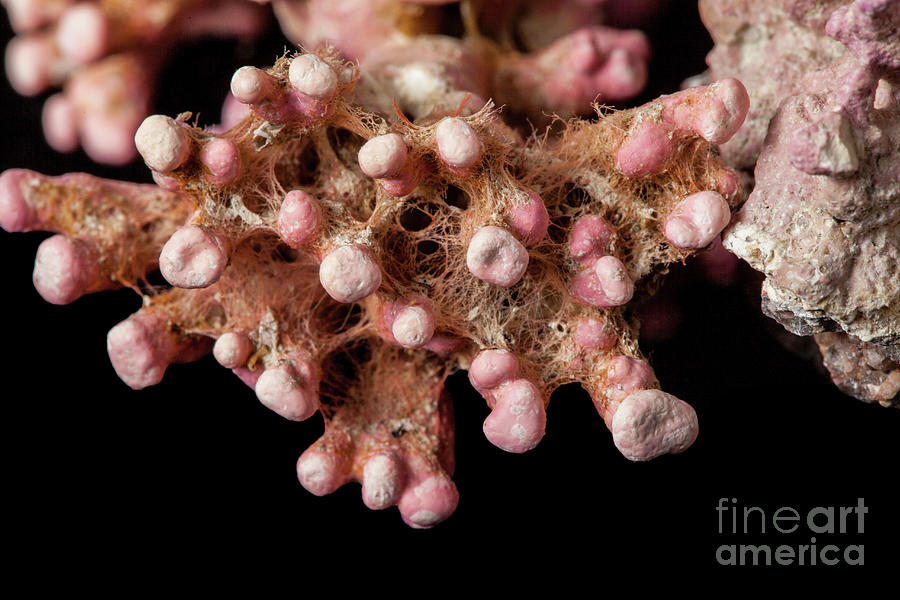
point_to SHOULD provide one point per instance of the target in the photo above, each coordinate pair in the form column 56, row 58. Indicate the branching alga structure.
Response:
column 354, row 240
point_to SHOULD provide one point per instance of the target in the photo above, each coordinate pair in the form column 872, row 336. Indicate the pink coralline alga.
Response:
column 354, row 240
column 823, row 220
column 105, row 54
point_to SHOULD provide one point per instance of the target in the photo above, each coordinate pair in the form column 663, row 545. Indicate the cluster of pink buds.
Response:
column 362, row 232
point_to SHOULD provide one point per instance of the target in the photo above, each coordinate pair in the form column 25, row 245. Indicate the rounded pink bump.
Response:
column 15, row 214
column 82, row 33
column 444, row 344
column 312, row 76
column 650, row 423
column 496, row 256
column 298, row 219
column 349, row 273
column 491, row 368
column 614, row 280
column 233, row 112
column 59, row 271
column 60, row 123
column 529, row 218
column 250, row 85
column 107, row 139
column 29, row 62
column 280, row 390
column 383, row 156
column 646, row 149
column 428, row 503
column 518, row 419
column 163, row 143
column 319, row 472
column 382, row 481
column 193, row 258
column 222, row 159
column 232, row 350
column 591, row 334
column 135, row 353
column 591, row 236
column 697, row 220
column 725, row 114
column 413, row 327
column 625, row 375
column 604, row 283
column 458, row 145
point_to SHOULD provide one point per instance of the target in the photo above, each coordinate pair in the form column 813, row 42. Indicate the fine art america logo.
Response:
column 794, row 531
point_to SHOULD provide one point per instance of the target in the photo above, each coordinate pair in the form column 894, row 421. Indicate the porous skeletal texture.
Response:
column 823, row 221
column 105, row 55
column 345, row 259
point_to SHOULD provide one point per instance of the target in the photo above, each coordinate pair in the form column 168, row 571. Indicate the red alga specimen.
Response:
column 354, row 240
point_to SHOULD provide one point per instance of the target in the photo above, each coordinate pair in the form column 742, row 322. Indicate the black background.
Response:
column 195, row 469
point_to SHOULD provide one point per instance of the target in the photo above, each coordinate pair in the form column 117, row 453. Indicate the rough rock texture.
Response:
column 823, row 221
column 770, row 46
column 343, row 258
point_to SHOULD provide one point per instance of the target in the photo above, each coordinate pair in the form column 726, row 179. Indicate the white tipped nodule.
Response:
column 413, row 327
column 135, row 352
column 319, row 472
column 496, row 256
column 232, row 350
column 193, row 258
column 458, row 145
column 650, row 423
column 428, row 503
column 281, row 390
column 250, row 85
column 349, row 273
column 382, row 482
column 383, row 156
column 312, row 76
column 298, row 219
column 605, row 282
column 491, row 368
column 518, row 419
column 163, row 143
column 697, row 220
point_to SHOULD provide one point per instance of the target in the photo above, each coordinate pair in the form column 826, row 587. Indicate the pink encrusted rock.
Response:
column 770, row 46
column 823, row 222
